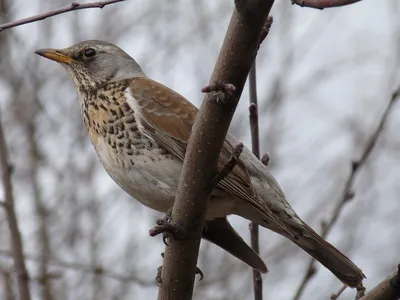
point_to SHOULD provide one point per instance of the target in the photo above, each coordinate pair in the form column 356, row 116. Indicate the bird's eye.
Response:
column 90, row 52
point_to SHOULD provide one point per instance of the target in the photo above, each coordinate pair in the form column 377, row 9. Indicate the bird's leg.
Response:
column 223, row 91
column 159, row 272
column 168, row 228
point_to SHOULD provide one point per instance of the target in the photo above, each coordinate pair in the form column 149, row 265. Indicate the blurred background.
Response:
column 324, row 79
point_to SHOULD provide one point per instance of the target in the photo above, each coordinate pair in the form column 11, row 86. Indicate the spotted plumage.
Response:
column 140, row 129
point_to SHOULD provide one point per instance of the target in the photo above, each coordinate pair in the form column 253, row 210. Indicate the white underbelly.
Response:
column 154, row 183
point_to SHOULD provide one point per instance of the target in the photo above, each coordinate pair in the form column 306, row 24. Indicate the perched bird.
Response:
column 140, row 129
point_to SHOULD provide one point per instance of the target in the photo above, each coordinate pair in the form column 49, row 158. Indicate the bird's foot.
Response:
column 168, row 228
column 224, row 91
column 159, row 272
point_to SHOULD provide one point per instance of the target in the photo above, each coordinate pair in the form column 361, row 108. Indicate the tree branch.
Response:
column 73, row 6
column 16, row 239
column 255, row 143
column 75, row 266
column 388, row 289
column 347, row 192
column 321, row 4
column 209, row 130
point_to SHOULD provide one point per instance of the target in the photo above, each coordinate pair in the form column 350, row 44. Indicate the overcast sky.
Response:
column 324, row 80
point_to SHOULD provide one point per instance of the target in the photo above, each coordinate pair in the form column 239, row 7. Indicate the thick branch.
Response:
column 321, row 4
column 388, row 289
column 16, row 239
column 73, row 6
column 347, row 192
column 235, row 59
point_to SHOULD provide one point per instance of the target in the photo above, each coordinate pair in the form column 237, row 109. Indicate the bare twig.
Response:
column 255, row 143
column 347, row 192
column 16, row 239
column 41, row 210
column 337, row 295
column 80, row 267
column 208, row 134
column 321, row 4
column 388, row 289
column 73, row 6
column 7, row 282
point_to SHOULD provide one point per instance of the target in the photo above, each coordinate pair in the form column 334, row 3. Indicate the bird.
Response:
column 140, row 130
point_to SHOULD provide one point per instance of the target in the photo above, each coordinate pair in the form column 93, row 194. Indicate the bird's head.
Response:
column 94, row 63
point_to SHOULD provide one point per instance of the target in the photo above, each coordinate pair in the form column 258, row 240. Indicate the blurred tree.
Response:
column 324, row 78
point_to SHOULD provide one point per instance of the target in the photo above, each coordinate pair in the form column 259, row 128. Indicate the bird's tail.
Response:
column 342, row 267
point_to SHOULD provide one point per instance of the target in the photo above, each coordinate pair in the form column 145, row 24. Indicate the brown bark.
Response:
column 234, row 62
column 388, row 289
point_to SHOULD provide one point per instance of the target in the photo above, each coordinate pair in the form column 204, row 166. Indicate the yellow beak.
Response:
column 55, row 55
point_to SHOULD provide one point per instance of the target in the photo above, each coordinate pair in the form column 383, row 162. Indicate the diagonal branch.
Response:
column 321, row 4
column 347, row 192
column 16, row 239
column 73, row 6
column 209, row 130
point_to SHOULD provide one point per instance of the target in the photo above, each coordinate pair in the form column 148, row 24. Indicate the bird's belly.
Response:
column 149, row 178
column 153, row 178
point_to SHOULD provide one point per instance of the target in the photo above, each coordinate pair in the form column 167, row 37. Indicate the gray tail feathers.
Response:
column 221, row 233
column 335, row 261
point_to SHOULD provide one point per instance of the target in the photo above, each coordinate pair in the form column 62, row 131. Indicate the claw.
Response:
column 167, row 228
column 199, row 272
column 165, row 238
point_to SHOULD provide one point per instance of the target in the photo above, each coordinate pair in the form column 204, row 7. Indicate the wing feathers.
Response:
column 167, row 117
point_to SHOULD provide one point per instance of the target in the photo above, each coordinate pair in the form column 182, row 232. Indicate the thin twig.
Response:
column 255, row 143
column 16, row 239
column 337, row 295
column 7, row 284
column 80, row 267
column 347, row 192
column 73, row 6
column 321, row 4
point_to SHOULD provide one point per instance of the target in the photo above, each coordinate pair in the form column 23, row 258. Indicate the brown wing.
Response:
column 167, row 117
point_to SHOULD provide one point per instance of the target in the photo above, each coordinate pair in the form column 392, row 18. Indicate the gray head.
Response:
column 93, row 63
